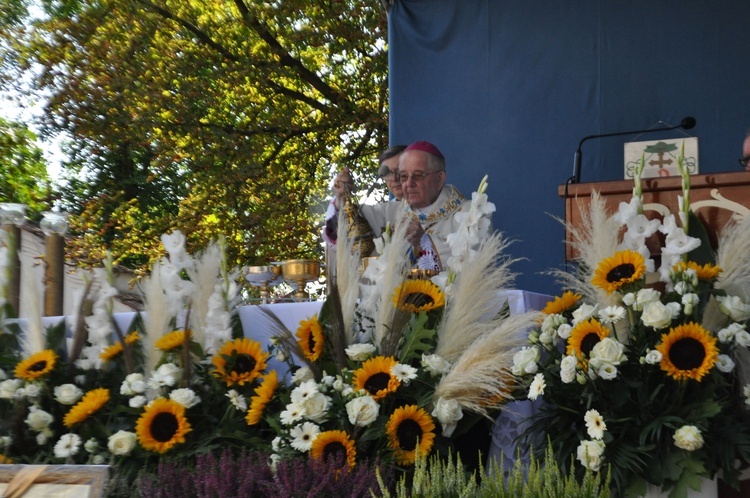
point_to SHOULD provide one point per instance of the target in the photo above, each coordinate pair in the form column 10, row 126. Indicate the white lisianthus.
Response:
column 302, row 374
column 448, row 412
column 97, row 460
column 688, row 437
column 38, row 420
column 724, row 363
column 91, row 445
column 362, row 411
column 133, row 384
column 653, row 357
column 525, row 360
column 734, row 308
column 590, row 454
column 727, row 334
column 137, row 401
column 537, row 386
column 611, row 314
column 435, row 364
column 746, row 393
column 185, row 396
column 404, row 373
column 43, row 437
column 360, row 352
column 316, row 407
column 67, row 394
column 546, row 337
column 552, row 322
column 563, row 331
column 643, row 297
column 121, row 443
column 690, row 301
column 584, row 312
column 237, row 400
column 595, row 425
column 742, row 338
column 568, row 369
column 303, row 436
column 68, row 445
column 607, row 371
column 656, row 315
column 9, row 387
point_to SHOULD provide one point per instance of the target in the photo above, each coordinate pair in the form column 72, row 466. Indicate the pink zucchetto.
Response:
column 425, row 147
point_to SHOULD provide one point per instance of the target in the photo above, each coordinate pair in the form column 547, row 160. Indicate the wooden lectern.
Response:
column 715, row 198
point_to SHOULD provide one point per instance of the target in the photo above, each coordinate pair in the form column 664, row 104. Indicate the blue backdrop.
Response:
column 509, row 88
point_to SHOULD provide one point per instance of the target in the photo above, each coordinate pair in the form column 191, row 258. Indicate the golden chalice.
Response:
column 262, row 277
column 300, row 271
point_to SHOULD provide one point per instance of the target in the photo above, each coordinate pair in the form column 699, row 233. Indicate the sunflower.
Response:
column 239, row 361
column 584, row 337
column 264, row 393
column 704, row 272
column 334, row 444
column 4, row 460
column 621, row 269
column 172, row 340
column 36, row 366
column 91, row 402
column 162, row 425
column 409, row 429
column 688, row 352
column 111, row 352
column 375, row 377
column 561, row 303
column 311, row 340
column 414, row 296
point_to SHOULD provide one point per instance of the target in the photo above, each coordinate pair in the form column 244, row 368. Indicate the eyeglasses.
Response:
column 391, row 175
column 744, row 160
column 417, row 176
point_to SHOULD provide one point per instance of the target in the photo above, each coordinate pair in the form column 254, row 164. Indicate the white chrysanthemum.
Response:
column 404, row 373
column 611, row 314
column 537, row 386
column 237, row 400
column 303, row 436
column 68, row 445
column 595, row 425
column 292, row 414
column 304, row 391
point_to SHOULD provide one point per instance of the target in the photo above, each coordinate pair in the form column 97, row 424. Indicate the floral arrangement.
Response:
column 389, row 369
column 644, row 370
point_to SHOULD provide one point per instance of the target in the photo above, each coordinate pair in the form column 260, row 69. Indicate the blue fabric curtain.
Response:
column 509, row 88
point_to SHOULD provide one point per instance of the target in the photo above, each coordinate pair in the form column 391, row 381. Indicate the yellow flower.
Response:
column 264, row 393
column 162, row 425
column 311, row 340
column 409, row 429
column 703, row 272
column 336, row 445
column 91, row 402
column 414, row 296
column 111, row 352
column 688, row 352
column 36, row 366
column 621, row 269
column 561, row 303
column 375, row 377
column 4, row 460
column 584, row 337
column 239, row 361
column 172, row 340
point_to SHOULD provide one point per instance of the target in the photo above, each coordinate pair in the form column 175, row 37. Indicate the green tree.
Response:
column 23, row 170
column 213, row 117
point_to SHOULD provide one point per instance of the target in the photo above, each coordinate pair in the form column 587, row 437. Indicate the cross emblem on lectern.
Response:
column 661, row 162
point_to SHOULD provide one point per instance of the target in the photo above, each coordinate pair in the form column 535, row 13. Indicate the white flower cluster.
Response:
column 591, row 452
column 473, row 227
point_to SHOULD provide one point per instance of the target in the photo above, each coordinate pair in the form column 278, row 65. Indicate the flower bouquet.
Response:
column 642, row 371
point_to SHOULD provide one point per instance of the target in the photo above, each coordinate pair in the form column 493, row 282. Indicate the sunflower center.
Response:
column 244, row 363
column 418, row 299
column 621, row 272
column 687, row 353
column 38, row 366
column 588, row 342
column 408, row 433
column 164, row 427
column 311, row 342
column 377, row 382
column 334, row 451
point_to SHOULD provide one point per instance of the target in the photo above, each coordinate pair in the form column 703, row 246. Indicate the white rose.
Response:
column 734, row 308
column 724, row 363
column 67, row 394
column 360, row 352
column 121, row 443
column 185, row 396
column 9, row 387
column 644, row 297
column 525, row 360
column 435, row 364
column 688, row 437
column 564, row 331
column 32, row 390
column 448, row 412
column 362, row 411
column 590, row 454
column 38, row 420
column 608, row 350
column 568, row 369
column 656, row 315
column 316, row 406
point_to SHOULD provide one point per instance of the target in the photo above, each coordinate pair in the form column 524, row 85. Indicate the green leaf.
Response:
column 702, row 254
column 417, row 339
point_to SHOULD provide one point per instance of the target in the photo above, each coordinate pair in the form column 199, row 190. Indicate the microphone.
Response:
column 687, row 123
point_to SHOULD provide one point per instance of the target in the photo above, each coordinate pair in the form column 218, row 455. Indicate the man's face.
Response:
column 422, row 186
column 746, row 151
column 391, row 179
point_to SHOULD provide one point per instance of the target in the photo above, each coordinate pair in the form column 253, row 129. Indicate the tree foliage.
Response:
column 23, row 170
column 215, row 117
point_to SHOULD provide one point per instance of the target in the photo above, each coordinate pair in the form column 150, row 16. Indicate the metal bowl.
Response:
column 297, row 270
column 258, row 275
